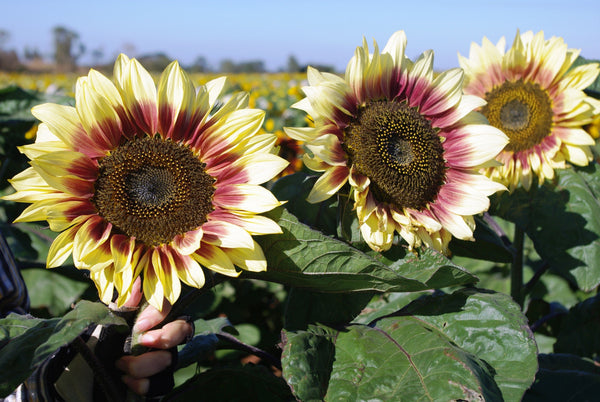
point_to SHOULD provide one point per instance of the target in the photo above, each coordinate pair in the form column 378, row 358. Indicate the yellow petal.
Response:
column 164, row 265
column 225, row 234
column 61, row 247
column 153, row 289
column 250, row 259
column 213, row 258
column 189, row 271
column 328, row 184
column 245, row 197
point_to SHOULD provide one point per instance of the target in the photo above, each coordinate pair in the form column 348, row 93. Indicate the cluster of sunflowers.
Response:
column 161, row 180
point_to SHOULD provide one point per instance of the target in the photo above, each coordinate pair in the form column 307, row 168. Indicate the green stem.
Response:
column 516, row 272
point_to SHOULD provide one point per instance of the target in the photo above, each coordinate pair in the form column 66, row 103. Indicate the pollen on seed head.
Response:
column 153, row 189
column 400, row 152
column 523, row 110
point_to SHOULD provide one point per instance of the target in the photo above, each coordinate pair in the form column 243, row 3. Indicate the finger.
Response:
column 138, row 385
column 151, row 317
column 136, row 294
column 172, row 334
column 144, row 365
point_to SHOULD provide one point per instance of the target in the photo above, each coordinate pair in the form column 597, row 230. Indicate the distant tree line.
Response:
column 68, row 50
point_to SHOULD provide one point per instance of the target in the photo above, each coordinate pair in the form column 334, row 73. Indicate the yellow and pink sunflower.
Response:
column 536, row 98
column 150, row 181
column 409, row 144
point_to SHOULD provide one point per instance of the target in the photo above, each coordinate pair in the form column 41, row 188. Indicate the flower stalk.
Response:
column 516, row 272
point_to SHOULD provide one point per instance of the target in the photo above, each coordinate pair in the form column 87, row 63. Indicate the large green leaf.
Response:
column 307, row 359
column 490, row 326
column 563, row 377
column 400, row 358
column 28, row 341
column 396, row 358
column 563, row 222
column 303, row 257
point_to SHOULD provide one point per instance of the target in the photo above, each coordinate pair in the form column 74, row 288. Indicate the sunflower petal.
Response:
column 328, row 184
column 189, row 271
column 164, row 264
column 215, row 259
column 250, row 259
column 225, row 234
column 61, row 247
column 245, row 197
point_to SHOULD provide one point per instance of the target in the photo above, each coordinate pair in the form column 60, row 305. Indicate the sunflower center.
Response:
column 153, row 189
column 400, row 152
column 522, row 110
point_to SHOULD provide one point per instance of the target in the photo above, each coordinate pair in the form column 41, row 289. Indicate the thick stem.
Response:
column 516, row 272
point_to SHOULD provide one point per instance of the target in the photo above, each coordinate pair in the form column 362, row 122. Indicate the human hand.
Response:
column 139, row 369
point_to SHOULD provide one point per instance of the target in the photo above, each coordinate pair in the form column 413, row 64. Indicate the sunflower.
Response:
column 409, row 144
column 150, row 181
column 536, row 98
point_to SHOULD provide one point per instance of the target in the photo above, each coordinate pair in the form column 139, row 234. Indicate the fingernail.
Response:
column 148, row 338
column 141, row 325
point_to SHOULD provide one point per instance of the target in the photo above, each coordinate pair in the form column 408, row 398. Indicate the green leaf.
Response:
column 565, row 378
column 303, row 257
column 307, row 359
column 488, row 325
column 294, row 189
column 400, row 358
column 247, row 383
column 73, row 324
column 304, row 307
column 563, row 222
column 579, row 333
column 21, row 336
column 52, row 291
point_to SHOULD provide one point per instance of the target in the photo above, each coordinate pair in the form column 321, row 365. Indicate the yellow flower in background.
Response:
column 535, row 97
column 146, row 181
column 594, row 127
column 409, row 144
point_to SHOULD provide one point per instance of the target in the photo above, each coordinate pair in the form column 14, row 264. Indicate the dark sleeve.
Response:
column 13, row 293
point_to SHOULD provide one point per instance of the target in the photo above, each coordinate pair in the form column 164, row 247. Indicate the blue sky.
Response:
column 313, row 31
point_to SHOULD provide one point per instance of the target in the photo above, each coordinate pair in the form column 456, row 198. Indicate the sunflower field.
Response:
column 391, row 233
